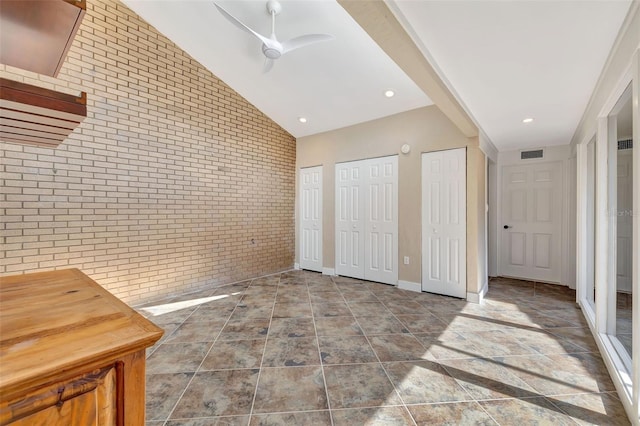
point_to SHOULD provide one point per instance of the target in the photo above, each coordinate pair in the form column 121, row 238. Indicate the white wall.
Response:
column 424, row 129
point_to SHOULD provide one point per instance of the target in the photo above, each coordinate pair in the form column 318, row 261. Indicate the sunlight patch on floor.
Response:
column 176, row 306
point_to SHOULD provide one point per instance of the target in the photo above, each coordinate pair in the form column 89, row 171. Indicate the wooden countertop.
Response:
column 52, row 322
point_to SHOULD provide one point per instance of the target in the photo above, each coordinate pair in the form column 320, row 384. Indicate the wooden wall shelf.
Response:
column 35, row 35
column 36, row 116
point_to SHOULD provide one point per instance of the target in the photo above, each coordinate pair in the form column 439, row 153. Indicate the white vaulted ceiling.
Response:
column 504, row 60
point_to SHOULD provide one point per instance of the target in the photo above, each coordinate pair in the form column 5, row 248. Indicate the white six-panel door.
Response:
column 349, row 220
column 367, row 219
column 311, row 218
column 444, row 222
column 532, row 214
column 381, row 228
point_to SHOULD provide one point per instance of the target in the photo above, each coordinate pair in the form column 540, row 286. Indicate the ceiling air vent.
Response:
column 527, row 155
column 625, row 144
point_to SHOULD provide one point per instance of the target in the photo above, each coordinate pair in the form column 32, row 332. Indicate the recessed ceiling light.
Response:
column 389, row 93
column 527, row 120
column 302, row 119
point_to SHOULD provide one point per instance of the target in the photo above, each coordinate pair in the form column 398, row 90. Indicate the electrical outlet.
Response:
column 406, row 260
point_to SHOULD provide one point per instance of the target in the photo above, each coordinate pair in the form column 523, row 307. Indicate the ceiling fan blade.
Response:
column 268, row 64
column 242, row 26
column 304, row 40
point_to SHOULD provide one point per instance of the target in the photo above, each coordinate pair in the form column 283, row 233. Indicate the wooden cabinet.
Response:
column 70, row 352
column 36, row 116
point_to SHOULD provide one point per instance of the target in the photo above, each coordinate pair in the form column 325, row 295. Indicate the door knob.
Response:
column 374, row 227
column 507, row 227
column 354, row 226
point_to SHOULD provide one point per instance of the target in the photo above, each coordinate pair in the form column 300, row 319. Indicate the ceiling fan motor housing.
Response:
column 271, row 52
column 271, row 47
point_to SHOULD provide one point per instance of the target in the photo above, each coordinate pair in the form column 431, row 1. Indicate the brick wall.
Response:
column 172, row 183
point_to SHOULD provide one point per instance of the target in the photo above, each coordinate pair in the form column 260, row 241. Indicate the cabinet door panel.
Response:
column 86, row 400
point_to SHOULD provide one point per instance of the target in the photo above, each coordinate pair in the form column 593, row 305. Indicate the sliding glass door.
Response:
column 620, row 197
column 608, row 244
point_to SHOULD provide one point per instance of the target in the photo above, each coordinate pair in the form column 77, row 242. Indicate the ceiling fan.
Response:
column 271, row 47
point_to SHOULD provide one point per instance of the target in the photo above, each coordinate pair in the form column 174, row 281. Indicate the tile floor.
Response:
column 300, row 348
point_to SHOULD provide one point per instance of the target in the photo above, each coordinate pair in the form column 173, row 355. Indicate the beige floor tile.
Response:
column 398, row 347
column 234, row 354
column 292, row 327
column 451, row 414
column 381, row 324
column 290, row 389
column 162, row 392
column 359, row 385
column 292, row 310
column 593, row 409
column 315, row 418
column 291, row 352
column 422, row 382
column 177, row 357
column 528, row 411
column 338, row 326
column 218, row 393
column 346, row 350
column 212, row 421
column 487, row 379
column 388, row 416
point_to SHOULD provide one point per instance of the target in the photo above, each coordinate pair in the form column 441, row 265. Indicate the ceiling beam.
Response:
column 382, row 26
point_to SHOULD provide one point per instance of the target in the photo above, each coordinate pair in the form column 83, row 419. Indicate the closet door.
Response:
column 349, row 220
column 367, row 219
column 444, row 218
column 381, row 236
column 311, row 218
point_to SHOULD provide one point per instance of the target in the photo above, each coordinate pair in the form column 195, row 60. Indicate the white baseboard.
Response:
column 328, row 271
column 478, row 297
column 411, row 286
column 296, row 266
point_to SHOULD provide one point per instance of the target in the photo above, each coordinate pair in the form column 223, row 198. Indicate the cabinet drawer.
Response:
column 89, row 399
